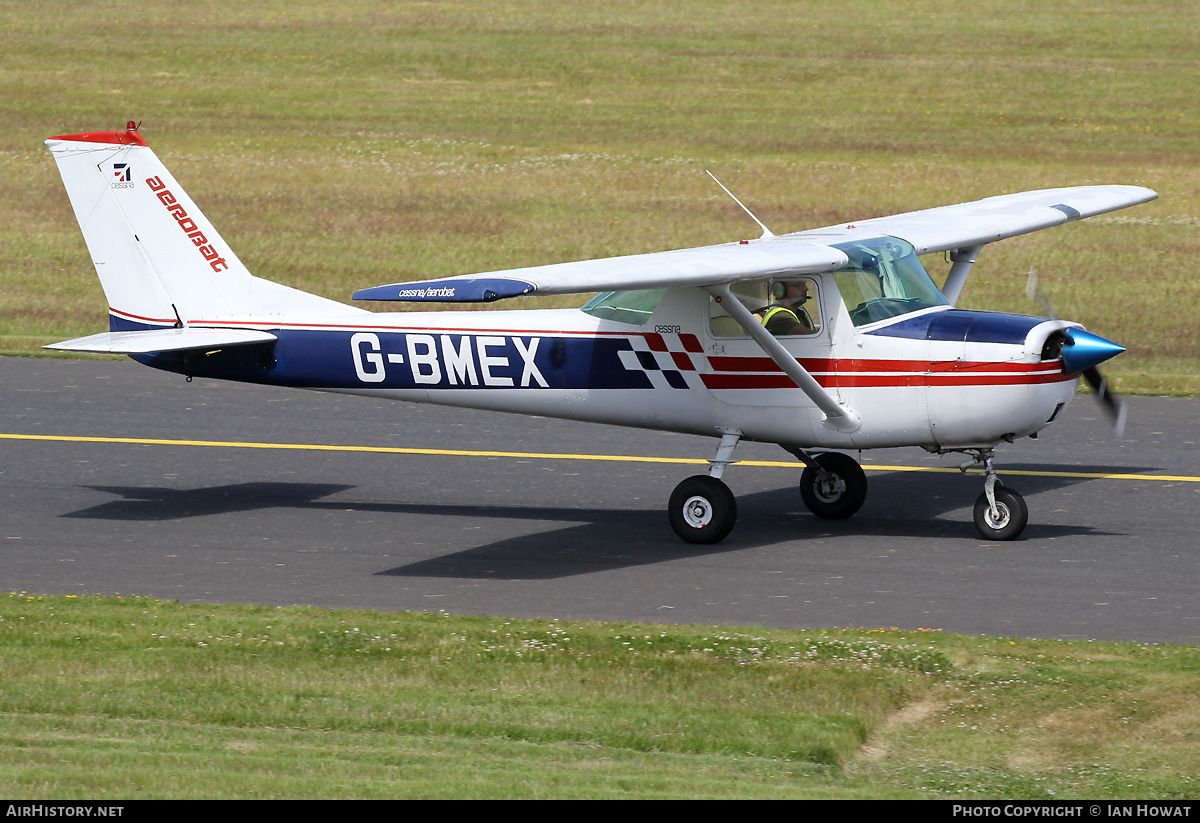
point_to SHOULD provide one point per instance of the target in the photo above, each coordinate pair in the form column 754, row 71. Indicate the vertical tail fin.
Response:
column 159, row 259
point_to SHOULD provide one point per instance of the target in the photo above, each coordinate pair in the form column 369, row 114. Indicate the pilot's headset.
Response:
column 779, row 288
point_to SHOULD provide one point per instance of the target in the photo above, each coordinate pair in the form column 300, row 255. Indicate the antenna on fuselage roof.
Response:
column 766, row 232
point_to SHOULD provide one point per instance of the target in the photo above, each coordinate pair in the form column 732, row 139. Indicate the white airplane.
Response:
column 833, row 338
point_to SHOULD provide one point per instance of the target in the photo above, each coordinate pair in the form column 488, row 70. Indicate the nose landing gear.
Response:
column 1000, row 512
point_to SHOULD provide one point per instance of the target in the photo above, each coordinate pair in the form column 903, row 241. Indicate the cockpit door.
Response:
column 797, row 310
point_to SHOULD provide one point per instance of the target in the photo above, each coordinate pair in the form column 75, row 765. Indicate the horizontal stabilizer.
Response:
column 159, row 340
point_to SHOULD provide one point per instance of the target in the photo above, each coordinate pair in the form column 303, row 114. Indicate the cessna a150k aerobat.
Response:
column 832, row 338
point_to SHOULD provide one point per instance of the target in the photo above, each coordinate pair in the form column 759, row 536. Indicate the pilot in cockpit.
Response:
column 786, row 314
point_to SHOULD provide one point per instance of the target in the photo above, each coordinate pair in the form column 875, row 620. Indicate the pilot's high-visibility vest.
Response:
column 774, row 310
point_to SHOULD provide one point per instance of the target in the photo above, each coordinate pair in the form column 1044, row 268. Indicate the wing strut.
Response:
column 963, row 260
column 836, row 416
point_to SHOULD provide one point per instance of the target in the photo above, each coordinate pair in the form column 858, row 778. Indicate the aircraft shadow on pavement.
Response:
column 899, row 505
column 157, row 503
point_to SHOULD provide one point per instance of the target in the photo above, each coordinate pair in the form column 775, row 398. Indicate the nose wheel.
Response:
column 1004, row 521
column 1000, row 512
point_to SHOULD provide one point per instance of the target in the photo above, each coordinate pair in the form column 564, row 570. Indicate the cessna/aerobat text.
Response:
column 186, row 223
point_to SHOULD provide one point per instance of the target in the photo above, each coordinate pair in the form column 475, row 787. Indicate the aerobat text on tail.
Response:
column 827, row 339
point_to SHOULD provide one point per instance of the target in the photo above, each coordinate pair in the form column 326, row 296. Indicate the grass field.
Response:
column 345, row 145
column 131, row 697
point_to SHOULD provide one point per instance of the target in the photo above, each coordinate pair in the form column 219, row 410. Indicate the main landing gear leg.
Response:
column 702, row 508
column 1000, row 512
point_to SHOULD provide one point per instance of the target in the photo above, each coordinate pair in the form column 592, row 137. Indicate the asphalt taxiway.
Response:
column 115, row 478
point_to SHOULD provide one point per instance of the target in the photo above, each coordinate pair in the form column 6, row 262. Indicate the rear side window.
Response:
column 633, row 307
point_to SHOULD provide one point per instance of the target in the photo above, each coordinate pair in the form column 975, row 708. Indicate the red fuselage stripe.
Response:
column 766, row 365
column 120, row 313
column 782, row 381
column 270, row 326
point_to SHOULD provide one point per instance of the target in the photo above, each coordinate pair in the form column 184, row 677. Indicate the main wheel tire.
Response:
column 1012, row 513
column 702, row 510
column 840, row 493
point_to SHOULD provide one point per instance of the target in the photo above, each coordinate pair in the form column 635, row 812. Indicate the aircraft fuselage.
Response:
column 942, row 378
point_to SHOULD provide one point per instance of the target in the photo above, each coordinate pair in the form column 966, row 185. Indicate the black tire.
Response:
column 702, row 510
column 843, row 490
column 1014, row 514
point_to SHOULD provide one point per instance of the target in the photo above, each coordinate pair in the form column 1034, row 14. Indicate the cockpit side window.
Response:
column 787, row 306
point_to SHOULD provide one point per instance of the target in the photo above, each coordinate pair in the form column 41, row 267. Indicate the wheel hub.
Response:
column 997, row 518
column 697, row 512
column 830, row 488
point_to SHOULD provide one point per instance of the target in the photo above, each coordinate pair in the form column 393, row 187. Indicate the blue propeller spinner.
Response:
column 1084, row 350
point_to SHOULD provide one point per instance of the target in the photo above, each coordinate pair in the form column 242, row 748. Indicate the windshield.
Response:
column 883, row 279
column 625, row 306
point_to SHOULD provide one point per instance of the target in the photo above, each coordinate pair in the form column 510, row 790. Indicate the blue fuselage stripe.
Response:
column 962, row 325
column 344, row 359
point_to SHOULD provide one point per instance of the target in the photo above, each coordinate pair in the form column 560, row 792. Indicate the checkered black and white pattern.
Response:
column 669, row 360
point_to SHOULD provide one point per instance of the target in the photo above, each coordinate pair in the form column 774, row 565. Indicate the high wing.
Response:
column 704, row 266
column 985, row 221
column 962, row 226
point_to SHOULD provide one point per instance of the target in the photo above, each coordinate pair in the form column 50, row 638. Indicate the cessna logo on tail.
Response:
column 187, row 224
column 123, row 176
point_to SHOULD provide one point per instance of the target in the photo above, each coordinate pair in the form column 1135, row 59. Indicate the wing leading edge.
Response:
column 704, row 266
column 980, row 222
column 946, row 228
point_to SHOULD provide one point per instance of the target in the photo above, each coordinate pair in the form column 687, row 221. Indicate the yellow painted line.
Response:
column 373, row 449
column 616, row 458
column 1035, row 473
